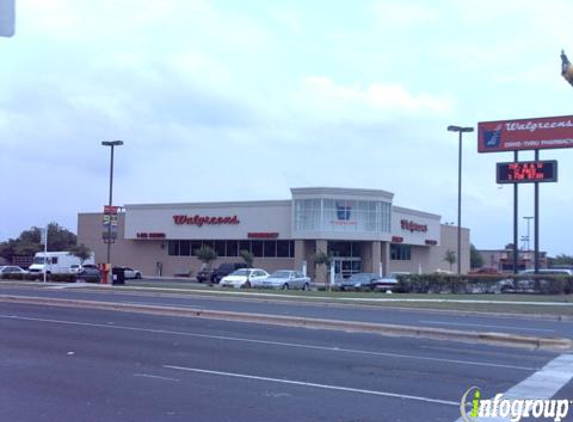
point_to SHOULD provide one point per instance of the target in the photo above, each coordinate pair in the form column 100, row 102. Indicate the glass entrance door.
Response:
column 344, row 267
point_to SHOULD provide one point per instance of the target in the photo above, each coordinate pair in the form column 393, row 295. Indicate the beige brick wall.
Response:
column 145, row 254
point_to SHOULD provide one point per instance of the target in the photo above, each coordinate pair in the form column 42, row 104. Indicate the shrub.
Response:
column 65, row 278
column 12, row 276
column 485, row 283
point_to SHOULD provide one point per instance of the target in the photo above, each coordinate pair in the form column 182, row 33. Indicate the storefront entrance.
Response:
column 344, row 267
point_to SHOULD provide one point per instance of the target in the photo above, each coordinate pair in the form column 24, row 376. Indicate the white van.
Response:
column 56, row 262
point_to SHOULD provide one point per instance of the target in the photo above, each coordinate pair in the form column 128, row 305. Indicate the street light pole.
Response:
column 460, row 130
column 528, row 219
column 111, row 144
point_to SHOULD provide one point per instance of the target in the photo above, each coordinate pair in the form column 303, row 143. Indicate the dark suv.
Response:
column 214, row 276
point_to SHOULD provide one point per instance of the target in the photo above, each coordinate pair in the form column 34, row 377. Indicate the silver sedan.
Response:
column 285, row 279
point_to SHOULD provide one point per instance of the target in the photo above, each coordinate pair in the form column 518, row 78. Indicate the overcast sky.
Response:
column 242, row 100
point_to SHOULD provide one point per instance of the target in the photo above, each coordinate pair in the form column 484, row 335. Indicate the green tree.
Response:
column 28, row 242
column 206, row 255
column 321, row 258
column 248, row 257
column 81, row 251
column 561, row 259
column 476, row 260
column 450, row 258
column 59, row 238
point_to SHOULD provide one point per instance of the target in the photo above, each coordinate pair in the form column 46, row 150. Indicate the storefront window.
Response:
column 257, row 248
column 307, row 214
column 231, row 248
column 195, row 244
column 346, row 249
column 185, row 248
column 244, row 245
column 220, row 247
column 173, row 248
column 400, row 252
column 342, row 215
column 270, row 248
column 283, row 249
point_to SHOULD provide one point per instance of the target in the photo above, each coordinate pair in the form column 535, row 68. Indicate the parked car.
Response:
column 360, row 281
column 215, row 276
column 245, row 277
column 12, row 269
column 284, row 279
column 130, row 273
column 390, row 282
column 89, row 273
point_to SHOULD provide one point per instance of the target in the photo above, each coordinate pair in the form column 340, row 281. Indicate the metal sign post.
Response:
column 515, row 218
column 44, row 241
column 536, row 222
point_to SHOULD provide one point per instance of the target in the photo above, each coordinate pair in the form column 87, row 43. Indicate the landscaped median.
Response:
column 552, row 306
column 542, row 305
column 315, row 323
column 542, row 283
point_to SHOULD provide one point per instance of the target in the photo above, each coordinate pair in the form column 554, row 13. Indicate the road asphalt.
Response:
column 462, row 324
column 73, row 364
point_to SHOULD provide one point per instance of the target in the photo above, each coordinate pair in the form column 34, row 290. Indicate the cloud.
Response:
column 324, row 96
column 403, row 15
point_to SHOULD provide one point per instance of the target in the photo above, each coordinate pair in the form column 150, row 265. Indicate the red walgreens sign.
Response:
column 525, row 134
column 413, row 227
column 110, row 209
column 200, row 220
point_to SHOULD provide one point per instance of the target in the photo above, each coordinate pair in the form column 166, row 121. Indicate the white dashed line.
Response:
column 314, row 385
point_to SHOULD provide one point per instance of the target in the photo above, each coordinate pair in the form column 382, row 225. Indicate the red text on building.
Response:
column 413, row 227
column 200, row 220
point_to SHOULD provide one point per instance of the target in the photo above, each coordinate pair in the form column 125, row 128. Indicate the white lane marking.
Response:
column 463, row 324
column 277, row 343
column 497, row 353
column 542, row 385
column 493, row 302
column 157, row 377
column 315, row 385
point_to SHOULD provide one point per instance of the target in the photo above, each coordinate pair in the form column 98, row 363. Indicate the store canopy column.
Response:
column 299, row 254
column 376, row 254
column 385, row 256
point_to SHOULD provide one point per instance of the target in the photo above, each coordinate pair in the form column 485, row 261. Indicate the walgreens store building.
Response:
column 361, row 229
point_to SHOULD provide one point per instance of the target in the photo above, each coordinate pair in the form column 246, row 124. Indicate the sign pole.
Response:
column 536, row 221
column 515, row 218
column 45, row 252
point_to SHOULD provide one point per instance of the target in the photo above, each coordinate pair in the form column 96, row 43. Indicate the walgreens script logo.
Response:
column 200, row 220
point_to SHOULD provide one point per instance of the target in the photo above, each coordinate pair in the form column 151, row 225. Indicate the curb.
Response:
column 316, row 323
